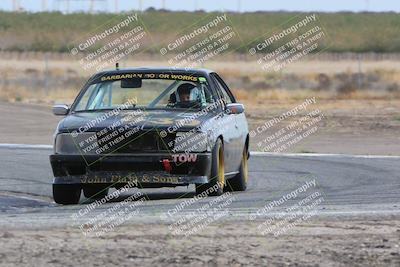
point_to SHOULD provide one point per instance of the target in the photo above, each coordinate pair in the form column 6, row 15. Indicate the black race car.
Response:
column 150, row 128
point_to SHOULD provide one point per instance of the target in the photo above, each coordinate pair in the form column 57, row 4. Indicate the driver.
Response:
column 184, row 91
column 187, row 95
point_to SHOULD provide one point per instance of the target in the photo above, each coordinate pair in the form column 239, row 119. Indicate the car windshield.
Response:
column 132, row 92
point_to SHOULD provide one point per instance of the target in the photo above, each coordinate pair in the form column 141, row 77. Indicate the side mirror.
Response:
column 234, row 108
column 60, row 110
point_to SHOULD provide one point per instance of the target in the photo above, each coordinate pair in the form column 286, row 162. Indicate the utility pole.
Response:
column 116, row 6
column 67, row 6
column 140, row 5
column 91, row 6
column 15, row 5
column 163, row 4
column 44, row 5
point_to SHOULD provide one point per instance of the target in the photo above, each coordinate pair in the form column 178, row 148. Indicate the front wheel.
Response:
column 239, row 181
column 95, row 191
column 215, row 187
column 66, row 194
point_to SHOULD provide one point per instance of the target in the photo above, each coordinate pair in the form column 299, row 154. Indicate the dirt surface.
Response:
column 357, row 223
column 26, row 123
column 39, row 233
column 327, row 242
column 347, row 126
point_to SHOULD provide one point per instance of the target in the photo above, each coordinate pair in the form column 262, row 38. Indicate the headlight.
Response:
column 190, row 142
column 83, row 143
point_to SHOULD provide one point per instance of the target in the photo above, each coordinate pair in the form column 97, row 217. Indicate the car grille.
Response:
column 141, row 141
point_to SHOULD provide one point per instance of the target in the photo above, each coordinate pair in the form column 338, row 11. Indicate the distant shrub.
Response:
column 348, row 32
column 245, row 79
column 324, row 82
column 393, row 88
column 347, row 83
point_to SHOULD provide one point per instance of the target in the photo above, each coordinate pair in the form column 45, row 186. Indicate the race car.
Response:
column 150, row 128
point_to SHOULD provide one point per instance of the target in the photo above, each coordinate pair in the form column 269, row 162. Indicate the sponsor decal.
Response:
column 181, row 158
column 132, row 179
column 168, row 76
column 93, row 180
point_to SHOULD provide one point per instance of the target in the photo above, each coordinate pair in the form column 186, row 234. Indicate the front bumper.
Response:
column 142, row 170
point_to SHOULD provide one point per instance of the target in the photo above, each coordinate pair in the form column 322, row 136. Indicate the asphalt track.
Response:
column 350, row 186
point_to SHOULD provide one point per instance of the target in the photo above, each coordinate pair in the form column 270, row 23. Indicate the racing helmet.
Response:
column 189, row 90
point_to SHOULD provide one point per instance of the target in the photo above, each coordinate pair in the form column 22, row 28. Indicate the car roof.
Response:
column 157, row 70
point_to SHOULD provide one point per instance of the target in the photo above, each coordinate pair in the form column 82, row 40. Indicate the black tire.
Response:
column 95, row 191
column 217, row 174
column 240, row 180
column 66, row 194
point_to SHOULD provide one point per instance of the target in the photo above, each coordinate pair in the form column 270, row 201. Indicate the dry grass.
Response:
column 260, row 95
column 250, row 97
column 26, row 80
column 25, row 95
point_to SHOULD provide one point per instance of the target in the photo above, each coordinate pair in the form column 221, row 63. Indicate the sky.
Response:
column 208, row 5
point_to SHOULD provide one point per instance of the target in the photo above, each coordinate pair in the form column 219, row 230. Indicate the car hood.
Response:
column 148, row 119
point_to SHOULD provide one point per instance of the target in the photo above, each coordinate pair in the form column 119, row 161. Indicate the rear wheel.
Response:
column 66, row 194
column 215, row 187
column 95, row 191
column 239, row 181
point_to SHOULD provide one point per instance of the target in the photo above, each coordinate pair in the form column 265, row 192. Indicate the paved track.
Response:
column 350, row 186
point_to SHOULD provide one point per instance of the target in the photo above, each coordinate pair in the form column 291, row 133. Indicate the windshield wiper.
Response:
column 92, row 110
column 131, row 107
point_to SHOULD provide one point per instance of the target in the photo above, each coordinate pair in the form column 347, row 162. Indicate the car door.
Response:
column 232, row 134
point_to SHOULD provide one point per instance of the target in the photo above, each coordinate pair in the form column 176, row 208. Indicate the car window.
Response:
column 151, row 93
column 221, row 88
column 218, row 88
